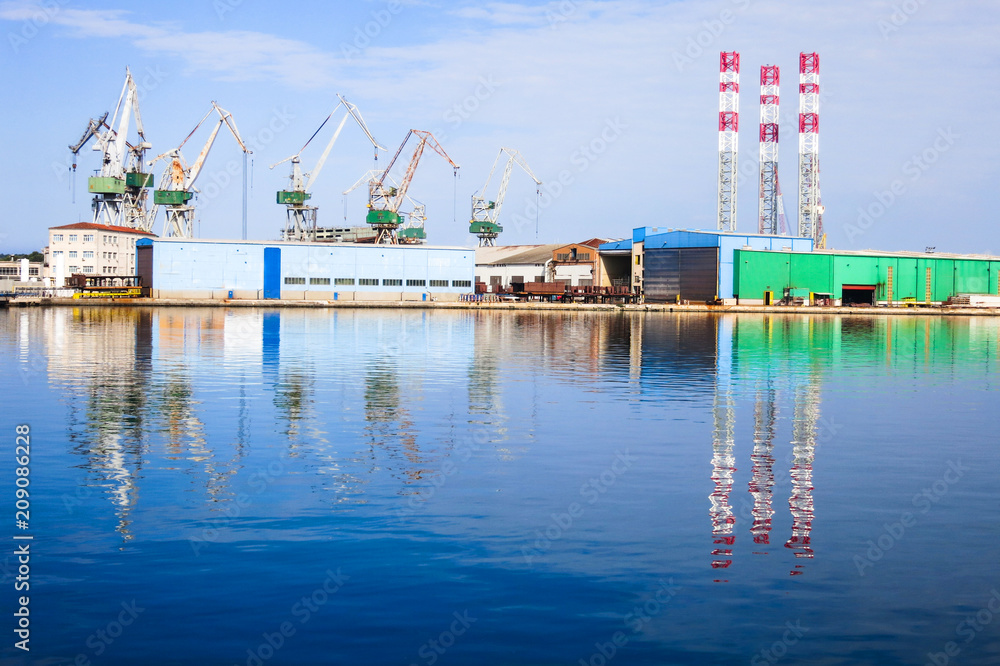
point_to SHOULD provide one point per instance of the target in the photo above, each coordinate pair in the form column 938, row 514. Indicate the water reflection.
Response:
column 371, row 397
column 761, row 484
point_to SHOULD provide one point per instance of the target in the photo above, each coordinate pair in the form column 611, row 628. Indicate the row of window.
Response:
column 16, row 270
column 105, row 270
column 373, row 282
column 87, row 238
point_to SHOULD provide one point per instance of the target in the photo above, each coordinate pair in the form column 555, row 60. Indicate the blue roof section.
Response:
column 639, row 233
column 704, row 238
column 625, row 244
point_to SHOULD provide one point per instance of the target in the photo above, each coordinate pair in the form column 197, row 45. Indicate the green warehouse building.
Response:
column 874, row 278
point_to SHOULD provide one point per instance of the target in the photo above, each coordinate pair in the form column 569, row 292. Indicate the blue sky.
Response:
column 616, row 99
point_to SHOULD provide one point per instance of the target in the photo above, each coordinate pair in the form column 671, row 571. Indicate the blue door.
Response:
column 272, row 272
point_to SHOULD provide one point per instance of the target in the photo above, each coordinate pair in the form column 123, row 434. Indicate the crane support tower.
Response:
column 384, row 200
column 120, row 186
column 301, row 218
column 769, row 203
column 729, row 125
column 485, row 213
column 177, row 182
column 810, row 203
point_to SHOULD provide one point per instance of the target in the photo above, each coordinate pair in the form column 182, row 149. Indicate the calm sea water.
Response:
column 214, row 486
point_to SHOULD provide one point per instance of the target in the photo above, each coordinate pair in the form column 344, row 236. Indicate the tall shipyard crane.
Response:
column 177, row 182
column 301, row 218
column 412, row 231
column 384, row 199
column 485, row 213
column 119, row 188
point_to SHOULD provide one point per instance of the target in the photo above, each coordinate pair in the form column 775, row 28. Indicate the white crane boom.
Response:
column 485, row 214
column 301, row 218
column 178, row 178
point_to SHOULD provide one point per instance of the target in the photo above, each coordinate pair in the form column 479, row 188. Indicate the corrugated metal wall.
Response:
column 692, row 274
column 757, row 272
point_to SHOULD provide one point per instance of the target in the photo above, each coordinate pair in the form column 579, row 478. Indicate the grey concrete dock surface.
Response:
column 513, row 306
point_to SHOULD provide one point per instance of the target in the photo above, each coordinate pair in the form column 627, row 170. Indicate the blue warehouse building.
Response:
column 187, row 268
column 687, row 265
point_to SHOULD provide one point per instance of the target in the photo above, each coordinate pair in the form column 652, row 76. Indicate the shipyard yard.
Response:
column 487, row 333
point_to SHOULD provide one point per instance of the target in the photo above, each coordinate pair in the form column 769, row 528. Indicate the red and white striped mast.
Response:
column 810, row 206
column 729, row 125
column 768, row 205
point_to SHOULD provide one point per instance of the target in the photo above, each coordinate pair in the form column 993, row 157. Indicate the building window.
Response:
column 583, row 256
column 344, row 281
column 73, row 269
column 57, row 253
column 439, row 283
column 416, row 283
column 56, row 237
column 562, row 256
column 392, row 282
column 495, row 280
column 295, row 280
column 87, row 254
column 461, row 283
column 319, row 280
column 32, row 271
column 72, row 254
column 368, row 282
column 88, row 269
column 517, row 278
column 72, row 238
column 88, row 238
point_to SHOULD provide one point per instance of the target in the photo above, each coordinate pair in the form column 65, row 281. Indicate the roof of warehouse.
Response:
column 230, row 241
column 719, row 232
column 897, row 253
column 104, row 227
column 516, row 254
column 624, row 244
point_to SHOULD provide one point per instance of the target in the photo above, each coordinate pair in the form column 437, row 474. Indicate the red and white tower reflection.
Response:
column 723, row 461
column 762, row 470
column 800, row 502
